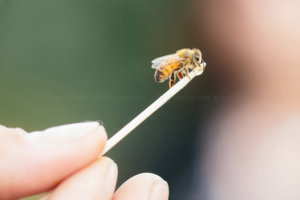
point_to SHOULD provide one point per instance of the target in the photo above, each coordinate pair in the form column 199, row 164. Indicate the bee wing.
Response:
column 169, row 59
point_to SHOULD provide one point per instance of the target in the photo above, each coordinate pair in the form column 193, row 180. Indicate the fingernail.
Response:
column 111, row 176
column 99, row 121
column 159, row 190
column 76, row 130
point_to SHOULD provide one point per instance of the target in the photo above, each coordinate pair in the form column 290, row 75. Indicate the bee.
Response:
column 178, row 64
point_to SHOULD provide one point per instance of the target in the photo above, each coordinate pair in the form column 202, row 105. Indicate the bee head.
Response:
column 197, row 55
column 198, row 58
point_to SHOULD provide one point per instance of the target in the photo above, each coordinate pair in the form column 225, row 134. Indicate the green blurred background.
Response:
column 71, row 61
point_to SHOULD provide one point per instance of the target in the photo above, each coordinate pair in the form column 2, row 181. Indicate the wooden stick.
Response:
column 121, row 134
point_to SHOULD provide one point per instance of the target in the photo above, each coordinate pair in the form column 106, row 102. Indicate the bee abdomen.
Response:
column 159, row 76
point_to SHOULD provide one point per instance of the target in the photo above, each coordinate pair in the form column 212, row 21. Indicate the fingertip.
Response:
column 102, row 132
column 106, row 160
column 143, row 186
column 96, row 140
column 75, row 130
column 49, row 156
column 159, row 190
column 96, row 181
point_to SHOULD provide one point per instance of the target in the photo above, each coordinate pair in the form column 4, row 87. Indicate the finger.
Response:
column 36, row 162
column 97, row 181
column 144, row 186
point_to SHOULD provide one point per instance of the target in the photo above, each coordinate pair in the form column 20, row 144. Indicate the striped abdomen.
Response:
column 163, row 73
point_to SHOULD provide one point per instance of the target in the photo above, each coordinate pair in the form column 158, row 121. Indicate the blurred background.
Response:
column 231, row 134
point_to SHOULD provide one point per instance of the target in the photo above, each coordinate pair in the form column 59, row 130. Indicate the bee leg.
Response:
column 179, row 74
column 194, row 67
column 172, row 80
column 186, row 73
column 197, row 66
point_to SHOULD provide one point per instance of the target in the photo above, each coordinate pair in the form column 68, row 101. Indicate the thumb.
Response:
column 35, row 162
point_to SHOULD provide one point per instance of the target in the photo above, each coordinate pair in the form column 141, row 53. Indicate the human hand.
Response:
column 62, row 161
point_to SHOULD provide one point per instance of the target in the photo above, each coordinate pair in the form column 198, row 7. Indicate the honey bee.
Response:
column 177, row 64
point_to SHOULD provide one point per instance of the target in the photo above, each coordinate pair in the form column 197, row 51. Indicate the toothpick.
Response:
column 121, row 134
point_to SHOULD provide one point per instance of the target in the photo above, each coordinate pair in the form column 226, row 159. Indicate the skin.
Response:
column 254, row 143
column 62, row 161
